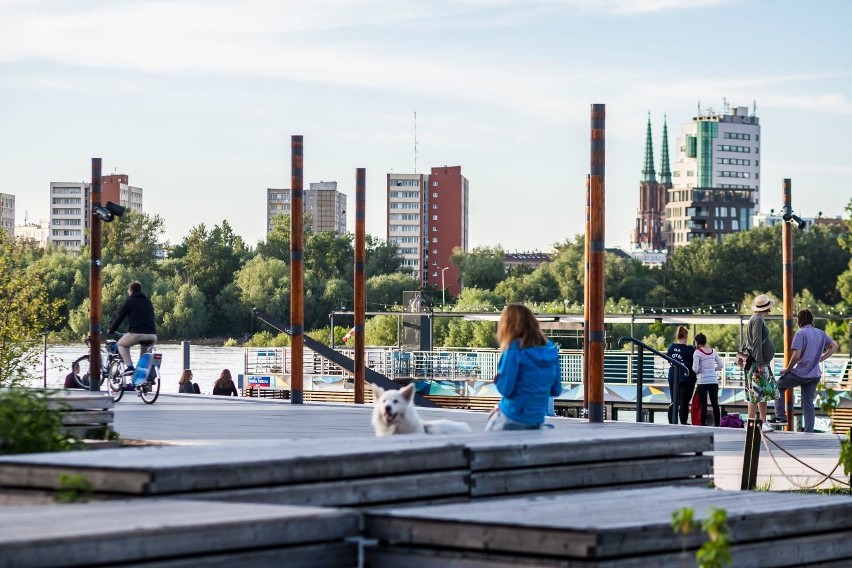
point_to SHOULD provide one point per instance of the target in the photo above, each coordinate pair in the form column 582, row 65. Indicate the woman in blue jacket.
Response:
column 527, row 374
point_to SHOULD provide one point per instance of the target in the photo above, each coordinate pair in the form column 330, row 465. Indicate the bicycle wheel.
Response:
column 150, row 389
column 82, row 379
column 116, row 379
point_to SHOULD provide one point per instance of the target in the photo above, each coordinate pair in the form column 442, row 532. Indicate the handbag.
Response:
column 743, row 359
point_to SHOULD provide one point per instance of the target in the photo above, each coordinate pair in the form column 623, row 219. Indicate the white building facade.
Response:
column 405, row 224
column 7, row 214
column 716, row 176
column 69, row 214
column 38, row 232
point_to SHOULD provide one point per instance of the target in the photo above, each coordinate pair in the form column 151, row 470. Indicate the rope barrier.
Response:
column 825, row 477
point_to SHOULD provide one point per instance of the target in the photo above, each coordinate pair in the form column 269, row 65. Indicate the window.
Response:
column 434, row 184
column 434, row 251
column 434, row 217
column 434, row 229
column 435, row 194
column 434, row 239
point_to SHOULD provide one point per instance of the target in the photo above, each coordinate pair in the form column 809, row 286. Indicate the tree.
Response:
column 328, row 255
column 385, row 290
column 182, row 312
column 265, row 283
column 483, row 267
column 381, row 330
column 568, row 267
column 844, row 281
column 382, row 257
column 212, row 257
column 132, row 240
column 26, row 311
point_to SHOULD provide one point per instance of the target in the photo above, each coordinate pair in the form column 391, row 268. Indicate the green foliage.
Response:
column 31, row 423
column 26, row 311
column 483, row 267
column 268, row 339
column 846, row 455
column 714, row 552
column 385, row 290
column 382, row 257
column 380, row 330
column 132, row 241
column 72, row 488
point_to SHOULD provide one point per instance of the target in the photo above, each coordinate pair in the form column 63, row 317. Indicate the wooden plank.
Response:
column 152, row 529
column 171, row 469
column 350, row 493
column 81, row 400
column 594, row 443
column 582, row 525
column 328, row 554
column 379, row 556
column 526, row 480
column 94, row 417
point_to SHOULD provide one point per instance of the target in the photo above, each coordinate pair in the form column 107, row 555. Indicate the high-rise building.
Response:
column 716, row 176
column 325, row 205
column 70, row 207
column 69, row 214
column 427, row 219
column 7, row 214
column 649, row 232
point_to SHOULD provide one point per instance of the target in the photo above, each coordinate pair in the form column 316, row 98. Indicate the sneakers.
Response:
column 767, row 427
column 776, row 421
column 129, row 370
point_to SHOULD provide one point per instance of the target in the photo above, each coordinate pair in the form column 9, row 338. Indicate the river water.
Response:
column 206, row 363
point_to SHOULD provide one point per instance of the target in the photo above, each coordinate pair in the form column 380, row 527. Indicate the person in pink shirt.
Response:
column 705, row 363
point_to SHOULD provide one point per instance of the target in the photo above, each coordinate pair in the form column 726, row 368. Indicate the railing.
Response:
column 621, row 368
column 641, row 359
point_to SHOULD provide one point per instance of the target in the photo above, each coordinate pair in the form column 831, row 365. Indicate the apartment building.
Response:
column 427, row 218
column 322, row 201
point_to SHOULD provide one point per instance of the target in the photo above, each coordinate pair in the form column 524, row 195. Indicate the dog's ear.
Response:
column 407, row 391
column 377, row 390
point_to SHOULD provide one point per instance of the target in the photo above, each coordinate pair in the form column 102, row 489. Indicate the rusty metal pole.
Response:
column 787, row 263
column 586, row 304
column 95, row 301
column 297, row 258
column 360, row 280
column 595, row 283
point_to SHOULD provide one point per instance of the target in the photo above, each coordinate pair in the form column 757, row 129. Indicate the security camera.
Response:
column 108, row 212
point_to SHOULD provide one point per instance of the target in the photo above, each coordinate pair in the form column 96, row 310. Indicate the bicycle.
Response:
column 113, row 372
column 109, row 355
column 144, row 380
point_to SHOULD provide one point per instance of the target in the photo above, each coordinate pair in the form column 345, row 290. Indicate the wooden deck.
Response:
column 582, row 529
column 369, row 471
column 176, row 533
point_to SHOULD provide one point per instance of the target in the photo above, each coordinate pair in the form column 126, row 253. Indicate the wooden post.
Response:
column 95, row 301
column 586, row 303
column 751, row 455
column 595, row 348
column 360, row 279
column 787, row 264
column 297, row 258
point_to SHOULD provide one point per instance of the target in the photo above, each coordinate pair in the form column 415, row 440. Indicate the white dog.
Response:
column 394, row 413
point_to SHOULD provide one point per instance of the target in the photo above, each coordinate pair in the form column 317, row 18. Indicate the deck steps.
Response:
column 623, row 528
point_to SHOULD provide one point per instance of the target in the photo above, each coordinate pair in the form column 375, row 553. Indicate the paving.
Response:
column 194, row 420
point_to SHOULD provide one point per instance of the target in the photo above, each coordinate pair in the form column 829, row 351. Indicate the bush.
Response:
column 30, row 423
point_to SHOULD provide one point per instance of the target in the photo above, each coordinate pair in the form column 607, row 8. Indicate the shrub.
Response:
column 30, row 422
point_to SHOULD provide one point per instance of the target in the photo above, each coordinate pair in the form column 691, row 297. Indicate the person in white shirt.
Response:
column 705, row 363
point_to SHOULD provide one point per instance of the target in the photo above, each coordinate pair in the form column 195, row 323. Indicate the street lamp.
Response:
column 443, row 287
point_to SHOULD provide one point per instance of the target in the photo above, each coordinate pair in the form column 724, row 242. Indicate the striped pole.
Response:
column 360, row 279
column 787, row 264
column 594, row 350
column 297, row 258
column 586, row 304
column 95, row 298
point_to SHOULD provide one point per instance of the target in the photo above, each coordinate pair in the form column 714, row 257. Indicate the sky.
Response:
column 197, row 101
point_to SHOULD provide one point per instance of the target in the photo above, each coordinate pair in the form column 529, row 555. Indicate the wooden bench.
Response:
column 337, row 396
column 266, row 393
column 86, row 415
column 475, row 403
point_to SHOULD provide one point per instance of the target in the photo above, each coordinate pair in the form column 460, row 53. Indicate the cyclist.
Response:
column 139, row 312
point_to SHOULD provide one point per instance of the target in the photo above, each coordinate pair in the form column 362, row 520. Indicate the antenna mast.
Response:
column 415, row 141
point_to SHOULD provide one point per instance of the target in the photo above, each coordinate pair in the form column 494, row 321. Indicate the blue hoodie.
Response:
column 527, row 378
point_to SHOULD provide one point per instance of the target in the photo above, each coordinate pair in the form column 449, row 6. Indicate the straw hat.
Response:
column 762, row 303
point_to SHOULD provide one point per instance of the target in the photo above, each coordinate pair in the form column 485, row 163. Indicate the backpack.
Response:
column 731, row 421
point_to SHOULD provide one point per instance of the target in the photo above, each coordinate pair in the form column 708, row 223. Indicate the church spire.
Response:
column 665, row 167
column 648, row 173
